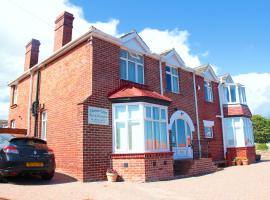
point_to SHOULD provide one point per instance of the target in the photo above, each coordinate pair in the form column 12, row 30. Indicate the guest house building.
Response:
column 105, row 102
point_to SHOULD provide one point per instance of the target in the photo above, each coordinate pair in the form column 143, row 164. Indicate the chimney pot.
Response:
column 31, row 54
column 63, row 30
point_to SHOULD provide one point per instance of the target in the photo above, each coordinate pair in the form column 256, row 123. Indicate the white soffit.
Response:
column 134, row 41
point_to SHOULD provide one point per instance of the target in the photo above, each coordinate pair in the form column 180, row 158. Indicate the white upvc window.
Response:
column 13, row 123
column 14, row 94
column 44, row 125
column 208, row 129
column 131, row 67
column 139, row 127
column 172, row 79
column 234, row 93
column 208, row 91
column 238, row 132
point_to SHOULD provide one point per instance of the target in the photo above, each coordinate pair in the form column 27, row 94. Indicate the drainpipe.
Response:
column 29, row 105
column 36, row 105
column 160, row 77
column 197, row 115
column 220, row 94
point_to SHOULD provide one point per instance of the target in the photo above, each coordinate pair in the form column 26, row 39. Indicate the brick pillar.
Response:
column 31, row 54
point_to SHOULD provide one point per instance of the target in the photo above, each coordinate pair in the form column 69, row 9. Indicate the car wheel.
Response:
column 47, row 176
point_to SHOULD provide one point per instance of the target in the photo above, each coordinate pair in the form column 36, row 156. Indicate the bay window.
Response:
column 131, row 67
column 172, row 79
column 139, row 127
column 234, row 93
column 208, row 91
column 238, row 132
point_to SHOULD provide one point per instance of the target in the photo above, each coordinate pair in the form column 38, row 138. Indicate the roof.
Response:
column 201, row 69
column 226, row 78
column 134, row 92
column 207, row 71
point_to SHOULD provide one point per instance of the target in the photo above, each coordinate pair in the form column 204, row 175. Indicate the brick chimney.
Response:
column 63, row 30
column 31, row 54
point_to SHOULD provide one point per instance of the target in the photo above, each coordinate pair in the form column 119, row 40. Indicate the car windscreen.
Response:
column 26, row 141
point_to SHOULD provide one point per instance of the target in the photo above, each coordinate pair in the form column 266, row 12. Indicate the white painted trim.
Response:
column 208, row 123
column 134, row 35
column 180, row 114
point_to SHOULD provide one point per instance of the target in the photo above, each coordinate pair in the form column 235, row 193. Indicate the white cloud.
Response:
column 160, row 40
column 23, row 20
column 258, row 91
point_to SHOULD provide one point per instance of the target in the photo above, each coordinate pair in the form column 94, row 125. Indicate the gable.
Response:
column 134, row 41
column 172, row 58
column 229, row 79
column 208, row 75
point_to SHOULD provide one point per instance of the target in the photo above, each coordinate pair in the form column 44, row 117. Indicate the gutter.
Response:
column 197, row 115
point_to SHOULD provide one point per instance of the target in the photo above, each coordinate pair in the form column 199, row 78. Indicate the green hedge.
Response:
column 261, row 146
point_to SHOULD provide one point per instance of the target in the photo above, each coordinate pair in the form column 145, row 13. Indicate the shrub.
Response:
column 261, row 146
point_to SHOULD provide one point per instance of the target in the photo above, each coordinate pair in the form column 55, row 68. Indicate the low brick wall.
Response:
column 143, row 166
column 13, row 131
column 243, row 152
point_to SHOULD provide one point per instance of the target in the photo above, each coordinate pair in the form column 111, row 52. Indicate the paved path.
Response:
column 233, row 183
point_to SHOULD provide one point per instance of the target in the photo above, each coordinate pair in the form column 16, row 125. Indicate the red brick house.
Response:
column 105, row 102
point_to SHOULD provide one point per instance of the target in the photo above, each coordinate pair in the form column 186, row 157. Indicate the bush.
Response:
column 261, row 146
column 261, row 128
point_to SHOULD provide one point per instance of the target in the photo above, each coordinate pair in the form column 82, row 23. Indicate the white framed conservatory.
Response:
column 140, row 127
column 238, row 132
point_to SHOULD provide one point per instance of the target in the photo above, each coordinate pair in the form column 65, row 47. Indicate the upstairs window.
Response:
column 234, row 94
column 14, row 95
column 208, row 91
column 172, row 79
column 131, row 67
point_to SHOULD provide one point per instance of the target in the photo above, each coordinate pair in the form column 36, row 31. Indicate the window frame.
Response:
column 240, row 94
column 172, row 76
column 43, row 135
column 14, row 95
column 127, row 60
column 142, row 121
column 208, row 91
column 208, row 124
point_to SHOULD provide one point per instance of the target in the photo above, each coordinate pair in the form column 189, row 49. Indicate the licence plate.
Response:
column 34, row 164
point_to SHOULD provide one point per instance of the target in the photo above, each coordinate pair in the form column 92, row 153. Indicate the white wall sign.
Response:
column 98, row 115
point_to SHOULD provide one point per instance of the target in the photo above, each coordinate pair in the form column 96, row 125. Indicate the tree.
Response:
column 261, row 128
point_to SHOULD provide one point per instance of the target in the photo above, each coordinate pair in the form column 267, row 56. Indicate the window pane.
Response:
column 120, row 112
column 229, row 132
column 134, row 142
column 174, row 134
column 181, row 133
column 155, row 113
column 156, row 135
column 148, row 135
column 140, row 74
column 163, row 114
column 123, row 53
column 132, row 57
column 174, row 71
column 226, row 94
column 120, row 135
column 140, row 59
column 123, row 69
column 206, row 91
column 168, row 69
column 133, row 112
column 175, row 85
column 208, row 131
column 168, row 82
column 188, row 135
column 131, row 71
column 233, row 94
column 148, row 112
column 163, row 130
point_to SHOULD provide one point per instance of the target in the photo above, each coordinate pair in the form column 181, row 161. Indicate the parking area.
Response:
column 239, row 182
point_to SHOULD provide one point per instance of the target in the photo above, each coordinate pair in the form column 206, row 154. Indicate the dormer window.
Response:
column 131, row 67
column 208, row 91
column 172, row 79
column 234, row 93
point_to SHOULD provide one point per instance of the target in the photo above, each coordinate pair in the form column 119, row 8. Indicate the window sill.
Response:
column 168, row 91
column 13, row 106
column 209, row 102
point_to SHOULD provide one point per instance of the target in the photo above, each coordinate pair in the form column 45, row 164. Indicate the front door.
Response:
column 181, row 140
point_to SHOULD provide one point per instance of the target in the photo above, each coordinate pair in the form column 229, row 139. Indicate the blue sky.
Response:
column 233, row 36
column 235, row 33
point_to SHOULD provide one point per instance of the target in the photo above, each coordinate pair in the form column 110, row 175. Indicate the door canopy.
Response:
column 179, row 114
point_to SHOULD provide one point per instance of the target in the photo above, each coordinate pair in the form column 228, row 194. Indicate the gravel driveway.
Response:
column 239, row 182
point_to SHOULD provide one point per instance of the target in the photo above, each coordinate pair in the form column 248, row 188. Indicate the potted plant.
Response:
column 245, row 161
column 238, row 161
column 111, row 175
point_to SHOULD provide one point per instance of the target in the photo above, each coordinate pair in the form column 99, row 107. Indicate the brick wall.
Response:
column 242, row 152
column 209, row 111
column 144, row 166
